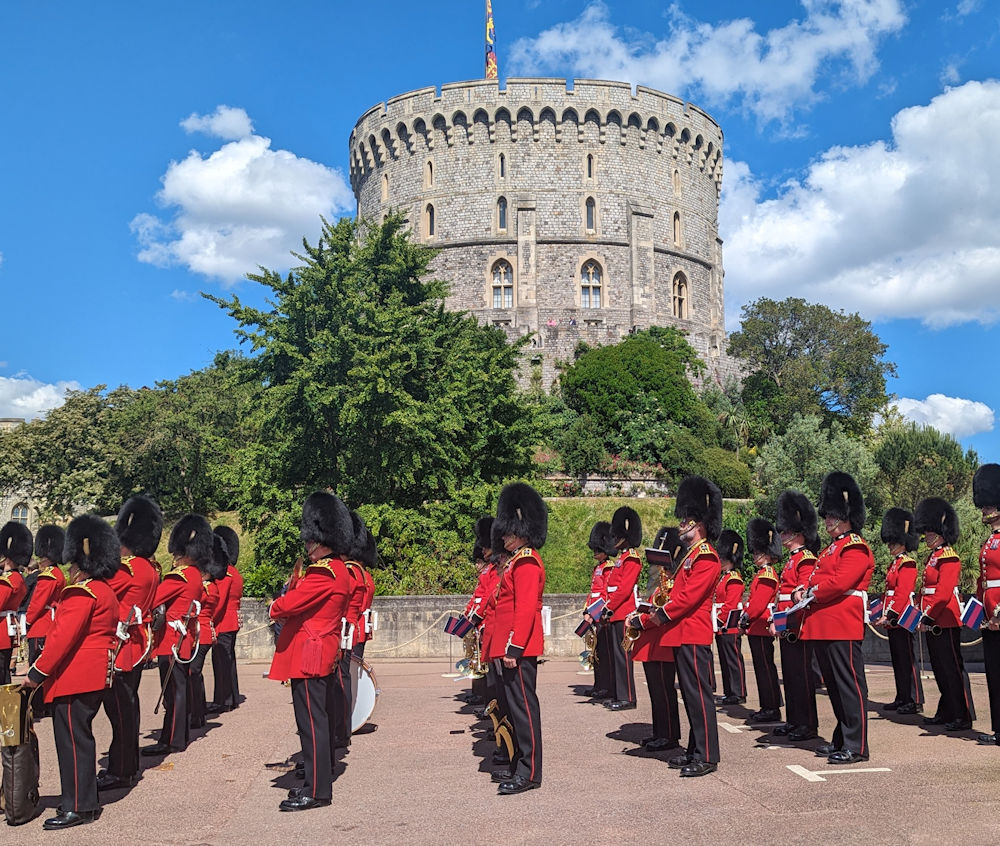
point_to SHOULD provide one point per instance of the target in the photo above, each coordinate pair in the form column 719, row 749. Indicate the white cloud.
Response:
column 953, row 415
column 184, row 296
column 770, row 74
column 949, row 74
column 242, row 206
column 225, row 122
column 901, row 229
column 22, row 396
column 967, row 7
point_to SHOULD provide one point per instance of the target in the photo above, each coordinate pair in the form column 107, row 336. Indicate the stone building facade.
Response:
column 16, row 504
column 573, row 213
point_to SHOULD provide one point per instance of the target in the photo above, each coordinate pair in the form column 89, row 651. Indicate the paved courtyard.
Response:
column 421, row 777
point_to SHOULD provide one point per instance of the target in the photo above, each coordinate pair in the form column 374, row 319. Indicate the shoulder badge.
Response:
column 768, row 572
column 48, row 573
column 127, row 564
column 5, row 578
column 322, row 566
column 178, row 572
column 735, row 574
column 83, row 586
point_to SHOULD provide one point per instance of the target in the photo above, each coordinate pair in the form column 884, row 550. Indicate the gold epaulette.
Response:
column 735, row 574
column 49, row 572
column 907, row 559
column 5, row 578
column 525, row 552
column 322, row 566
column 854, row 539
column 84, row 586
column 179, row 572
column 127, row 564
column 768, row 572
column 807, row 555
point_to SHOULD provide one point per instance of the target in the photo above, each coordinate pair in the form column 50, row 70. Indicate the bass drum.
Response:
column 365, row 688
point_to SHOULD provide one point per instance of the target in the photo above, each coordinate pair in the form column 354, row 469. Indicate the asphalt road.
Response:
column 421, row 777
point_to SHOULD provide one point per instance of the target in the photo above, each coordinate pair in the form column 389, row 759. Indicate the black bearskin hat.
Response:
column 231, row 540
column 797, row 515
column 521, row 512
column 484, row 530
column 219, row 565
column 496, row 542
column 763, row 538
column 92, row 545
column 898, row 527
column 477, row 552
column 326, row 520
column 700, row 500
column 730, row 547
column 139, row 526
column 986, row 486
column 192, row 537
column 935, row 515
column 600, row 538
column 626, row 528
column 363, row 547
column 49, row 542
column 841, row 497
column 16, row 543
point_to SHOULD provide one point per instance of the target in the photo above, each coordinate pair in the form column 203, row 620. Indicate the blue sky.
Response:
column 153, row 151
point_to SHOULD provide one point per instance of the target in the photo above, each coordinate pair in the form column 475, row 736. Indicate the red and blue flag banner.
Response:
column 780, row 620
column 583, row 628
column 909, row 619
column 875, row 608
column 491, row 37
column 458, row 626
column 596, row 608
column 972, row 614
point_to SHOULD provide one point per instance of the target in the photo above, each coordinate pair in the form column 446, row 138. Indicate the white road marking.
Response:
column 817, row 775
column 733, row 729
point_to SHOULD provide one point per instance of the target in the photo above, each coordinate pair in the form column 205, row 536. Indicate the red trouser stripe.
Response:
column 531, row 725
column 72, row 741
column 701, row 695
column 312, row 732
column 861, row 706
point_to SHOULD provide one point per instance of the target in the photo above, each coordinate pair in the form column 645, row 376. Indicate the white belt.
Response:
column 863, row 594
column 890, row 593
column 784, row 597
column 595, row 595
column 612, row 589
column 993, row 583
column 928, row 591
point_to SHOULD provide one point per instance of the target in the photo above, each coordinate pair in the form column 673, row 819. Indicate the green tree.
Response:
column 821, row 361
column 581, row 447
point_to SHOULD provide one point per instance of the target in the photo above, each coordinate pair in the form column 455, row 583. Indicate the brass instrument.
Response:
column 503, row 732
column 631, row 636
column 661, row 595
column 588, row 658
column 472, row 666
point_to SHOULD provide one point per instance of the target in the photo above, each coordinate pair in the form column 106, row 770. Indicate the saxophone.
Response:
column 472, row 665
column 659, row 598
column 588, row 658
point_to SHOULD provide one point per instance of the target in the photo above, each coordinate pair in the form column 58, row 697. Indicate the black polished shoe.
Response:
column 732, row 700
column 783, row 729
column 958, row 725
column 988, row 739
column 500, row 757
column 302, row 803
column 480, row 714
column 680, row 762
column 213, row 709
column 500, row 776
column 518, row 784
column 156, row 749
column 909, row 708
column 846, row 756
column 600, row 694
column 113, row 782
column 68, row 819
column 802, row 733
column 765, row 715
column 698, row 768
column 646, row 740
column 934, row 721
column 891, row 706
column 826, row 750
column 661, row 744
column 621, row 705
column 295, row 792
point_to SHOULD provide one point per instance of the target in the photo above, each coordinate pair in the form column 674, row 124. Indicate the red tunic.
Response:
column 209, row 610
column 230, row 620
column 838, row 582
column 366, row 610
column 988, row 587
column 939, row 595
column 179, row 588
column 356, row 603
column 689, row 610
column 312, row 610
column 900, row 583
column 518, row 615
column 488, row 608
column 647, row 646
column 79, row 647
column 42, row 606
column 620, row 584
column 135, row 585
column 728, row 593
column 763, row 592
column 12, row 593
column 795, row 574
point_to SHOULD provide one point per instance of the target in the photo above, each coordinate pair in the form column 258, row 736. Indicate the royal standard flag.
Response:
column 491, row 37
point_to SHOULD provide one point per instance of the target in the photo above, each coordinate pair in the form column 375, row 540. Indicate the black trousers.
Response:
column 5, row 655
column 196, row 687
column 604, row 671
column 799, row 683
column 340, row 704
column 945, row 652
column 694, row 674
column 176, row 731
column 121, row 704
column 35, row 645
column 525, row 717
column 765, row 671
column 76, row 749
column 904, row 666
column 731, row 665
column 311, row 701
column 496, row 670
column 623, row 669
column 991, row 658
column 226, row 695
column 660, row 676
column 843, row 666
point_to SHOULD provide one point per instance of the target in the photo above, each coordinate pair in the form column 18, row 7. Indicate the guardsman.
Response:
column 602, row 546
column 986, row 496
column 352, row 626
column 309, row 645
column 626, row 531
column 211, row 575
column 226, row 695
column 180, row 594
column 500, row 558
column 49, row 541
column 729, row 598
column 834, row 621
column 483, row 687
column 522, row 521
column 796, row 523
column 657, row 659
column 899, row 535
column 139, row 526
column 687, row 617
column 15, row 553
column 764, row 545
column 941, row 619
column 77, row 663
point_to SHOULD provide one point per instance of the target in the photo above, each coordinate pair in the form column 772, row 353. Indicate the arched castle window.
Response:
column 503, row 285
column 502, row 214
column 677, row 229
column 677, row 182
column 19, row 514
column 502, row 166
column 429, row 221
column 591, row 215
column 680, row 297
column 385, row 187
column 429, row 174
column 590, row 165
column 591, row 277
